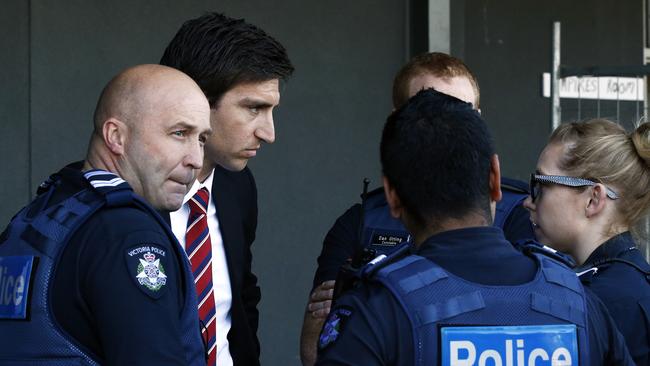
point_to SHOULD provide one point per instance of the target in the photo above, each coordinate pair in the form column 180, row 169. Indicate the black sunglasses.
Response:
column 536, row 179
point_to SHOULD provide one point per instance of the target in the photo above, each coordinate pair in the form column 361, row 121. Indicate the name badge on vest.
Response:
column 551, row 345
column 386, row 240
column 15, row 285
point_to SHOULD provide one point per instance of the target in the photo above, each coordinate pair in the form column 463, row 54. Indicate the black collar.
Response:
column 615, row 247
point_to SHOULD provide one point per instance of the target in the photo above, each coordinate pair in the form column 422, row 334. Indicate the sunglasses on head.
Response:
column 537, row 179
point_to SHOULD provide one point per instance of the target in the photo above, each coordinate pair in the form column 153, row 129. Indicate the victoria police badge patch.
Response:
column 333, row 326
column 146, row 264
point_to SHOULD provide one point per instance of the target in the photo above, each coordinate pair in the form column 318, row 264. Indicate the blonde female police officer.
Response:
column 591, row 188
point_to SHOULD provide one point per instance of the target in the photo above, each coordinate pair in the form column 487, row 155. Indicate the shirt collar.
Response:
column 207, row 183
column 612, row 248
column 480, row 241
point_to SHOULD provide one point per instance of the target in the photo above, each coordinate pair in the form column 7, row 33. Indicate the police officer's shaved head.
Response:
column 134, row 90
column 150, row 125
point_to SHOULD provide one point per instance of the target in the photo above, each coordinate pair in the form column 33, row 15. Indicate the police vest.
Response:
column 384, row 234
column 456, row 322
column 30, row 249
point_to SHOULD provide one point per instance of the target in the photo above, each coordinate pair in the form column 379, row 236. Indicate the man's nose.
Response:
column 194, row 155
column 266, row 130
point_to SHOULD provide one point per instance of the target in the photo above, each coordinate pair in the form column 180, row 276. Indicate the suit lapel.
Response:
column 228, row 214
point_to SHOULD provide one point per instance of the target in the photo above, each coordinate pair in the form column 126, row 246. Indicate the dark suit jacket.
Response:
column 235, row 197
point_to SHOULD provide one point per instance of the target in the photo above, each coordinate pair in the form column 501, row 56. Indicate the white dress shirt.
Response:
column 220, row 277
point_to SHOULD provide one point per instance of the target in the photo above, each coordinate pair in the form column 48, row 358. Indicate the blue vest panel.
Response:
column 29, row 252
column 456, row 320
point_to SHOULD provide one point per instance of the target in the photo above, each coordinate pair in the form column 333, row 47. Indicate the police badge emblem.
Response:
column 146, row 263
column 333, row 326
column 150, row 272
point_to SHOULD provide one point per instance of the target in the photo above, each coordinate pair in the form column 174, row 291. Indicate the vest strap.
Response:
column 558, row 309
column 451, row 307
column 557, row 276
column 422, row 279
column 399, row 265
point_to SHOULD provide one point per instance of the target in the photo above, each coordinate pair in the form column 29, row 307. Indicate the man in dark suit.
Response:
column 239, row 68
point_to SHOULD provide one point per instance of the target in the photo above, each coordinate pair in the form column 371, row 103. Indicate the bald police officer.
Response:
column 102, row 280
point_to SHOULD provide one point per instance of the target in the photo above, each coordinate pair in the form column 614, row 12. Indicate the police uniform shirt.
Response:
column 340, row 244
column 97, row 298
column 342, row 240
column 624, row 290
column 375, row 330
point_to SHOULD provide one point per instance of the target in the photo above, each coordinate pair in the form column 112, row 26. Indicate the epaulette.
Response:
column 116, row 190
column 586, row 274
column 530, row 246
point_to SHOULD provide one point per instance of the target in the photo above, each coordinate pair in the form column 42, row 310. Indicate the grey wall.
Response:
column 328, row 125
column 14, row 107
column 75, row 50
column 507, row 43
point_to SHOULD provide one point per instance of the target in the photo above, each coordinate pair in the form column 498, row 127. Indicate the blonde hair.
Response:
column 602, row 151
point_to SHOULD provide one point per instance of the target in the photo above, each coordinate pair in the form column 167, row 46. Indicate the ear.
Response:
column 495, row 179
column 597, row 200
column 395, row 204
column 114, row 135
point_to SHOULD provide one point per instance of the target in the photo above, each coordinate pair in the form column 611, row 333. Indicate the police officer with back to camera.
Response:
column 92, row 273
column 370, row 226
column 465, row 295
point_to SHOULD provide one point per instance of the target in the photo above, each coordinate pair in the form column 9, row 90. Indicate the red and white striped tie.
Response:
column 199, row 250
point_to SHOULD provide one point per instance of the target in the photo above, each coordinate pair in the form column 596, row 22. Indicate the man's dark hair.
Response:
column 436, row 152
column 220, row 52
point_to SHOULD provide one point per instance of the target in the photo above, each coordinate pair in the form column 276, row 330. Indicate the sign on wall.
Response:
column 602, row 87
